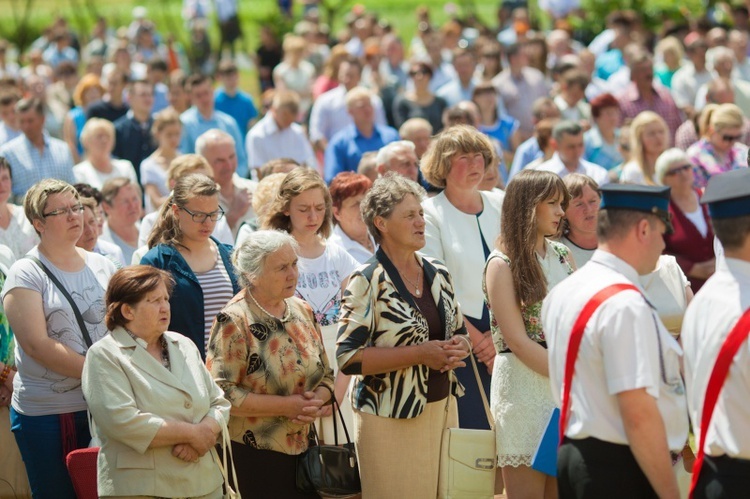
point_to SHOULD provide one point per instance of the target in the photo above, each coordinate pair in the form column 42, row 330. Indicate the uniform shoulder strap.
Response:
column 574, row 343
column 719, row 373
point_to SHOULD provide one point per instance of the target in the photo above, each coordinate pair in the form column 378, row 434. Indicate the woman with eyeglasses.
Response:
column 48, row 411
column 718, row 151
column 419, row 101
column 692, row 241
column 201, row 266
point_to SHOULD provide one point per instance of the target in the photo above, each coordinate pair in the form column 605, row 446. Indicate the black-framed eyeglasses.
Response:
column 731, row 138
column 679, row 169
column 70, row 210
column 199, row 217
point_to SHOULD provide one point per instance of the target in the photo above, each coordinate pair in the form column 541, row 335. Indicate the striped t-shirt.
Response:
column 217, row 291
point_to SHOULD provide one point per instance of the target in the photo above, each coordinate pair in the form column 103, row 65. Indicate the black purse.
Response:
column 329, row 470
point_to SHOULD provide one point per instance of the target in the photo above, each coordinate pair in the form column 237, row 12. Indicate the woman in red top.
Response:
column 692, row 241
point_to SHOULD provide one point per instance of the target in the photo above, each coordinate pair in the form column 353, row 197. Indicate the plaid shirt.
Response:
column 29, row 167
column 632, row 105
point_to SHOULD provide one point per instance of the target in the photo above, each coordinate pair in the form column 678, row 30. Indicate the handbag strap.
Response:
column 576, row 335
column 56, row 282
column 719, row 373
column 337, row 409
column 226, row 447
column 480, row 385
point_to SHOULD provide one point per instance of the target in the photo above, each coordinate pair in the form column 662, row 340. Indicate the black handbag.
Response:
column 329, row 470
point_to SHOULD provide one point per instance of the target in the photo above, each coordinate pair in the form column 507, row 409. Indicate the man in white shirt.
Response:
column 461, row 87
column 692, row 75
column 235, row 197
column 567, row 139
column 399, row 157
column 627, row 408
column 738, row 41
column 711, row 315
column 278, row 136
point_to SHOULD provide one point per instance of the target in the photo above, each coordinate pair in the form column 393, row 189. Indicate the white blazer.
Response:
column 130, row 395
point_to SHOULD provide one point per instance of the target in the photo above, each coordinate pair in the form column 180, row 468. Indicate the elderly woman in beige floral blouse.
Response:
column 266, row 353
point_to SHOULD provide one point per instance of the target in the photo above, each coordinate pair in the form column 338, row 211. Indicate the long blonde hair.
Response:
column 167, row 228
column 518, row 229
column 637, row 152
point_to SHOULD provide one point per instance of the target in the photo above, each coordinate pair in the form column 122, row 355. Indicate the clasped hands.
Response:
column 202, row 439
column 444, row 355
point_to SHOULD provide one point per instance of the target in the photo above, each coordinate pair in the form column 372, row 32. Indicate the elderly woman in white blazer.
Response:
column 156, row 408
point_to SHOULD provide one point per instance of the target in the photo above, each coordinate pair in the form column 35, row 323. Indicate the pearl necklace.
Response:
column 283, row 318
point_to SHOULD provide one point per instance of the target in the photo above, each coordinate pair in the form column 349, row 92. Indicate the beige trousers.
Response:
column 13, row 481
column 401, row 457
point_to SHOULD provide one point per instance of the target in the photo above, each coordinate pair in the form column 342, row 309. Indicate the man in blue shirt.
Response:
column 202, row 117
column 348, row 145
column 233, row 101
column 35, row 155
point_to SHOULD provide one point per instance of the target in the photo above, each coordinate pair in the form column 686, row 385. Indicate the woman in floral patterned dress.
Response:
column 719, row 150
column 266, row 353
column 518, row 275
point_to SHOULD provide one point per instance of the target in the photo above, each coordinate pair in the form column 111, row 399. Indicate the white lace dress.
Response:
column 521, row 399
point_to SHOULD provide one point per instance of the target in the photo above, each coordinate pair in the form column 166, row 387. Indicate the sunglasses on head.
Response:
column 731, row 138
column 679, row 169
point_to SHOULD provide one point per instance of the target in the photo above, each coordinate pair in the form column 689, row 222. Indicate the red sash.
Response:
column 576, row 335
column 719, row 374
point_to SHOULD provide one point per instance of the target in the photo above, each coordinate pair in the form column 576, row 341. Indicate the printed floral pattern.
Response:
column 531, row 313
column 706, row 165
column 250, row 352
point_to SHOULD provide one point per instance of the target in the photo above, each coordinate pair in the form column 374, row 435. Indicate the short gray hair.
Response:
column 386, row 193
column 665, row 161
column 249, row 258
column 566, row 127
column 386, row 153
column 210, row 137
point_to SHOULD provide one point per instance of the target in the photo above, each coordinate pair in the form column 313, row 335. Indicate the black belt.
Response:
column 543, row 343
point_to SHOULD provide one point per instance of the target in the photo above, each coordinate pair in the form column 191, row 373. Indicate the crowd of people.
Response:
column 178, row 256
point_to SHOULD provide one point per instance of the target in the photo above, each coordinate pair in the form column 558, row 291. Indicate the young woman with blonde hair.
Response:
column 167, row 131
column 718, row 150
column 519, row 273
column 649, row 137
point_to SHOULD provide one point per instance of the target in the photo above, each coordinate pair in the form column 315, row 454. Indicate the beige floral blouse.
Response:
column 250, row 352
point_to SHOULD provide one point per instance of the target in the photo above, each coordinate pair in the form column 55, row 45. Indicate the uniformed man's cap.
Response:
column 728, row 194
column 648, row 199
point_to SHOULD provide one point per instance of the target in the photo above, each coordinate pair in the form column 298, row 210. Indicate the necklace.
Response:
column 417, row 292
column 283, row 318
column 162, row 344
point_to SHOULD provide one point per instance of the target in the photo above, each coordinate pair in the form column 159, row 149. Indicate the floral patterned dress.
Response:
column 706, row 164
column 521, row 400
